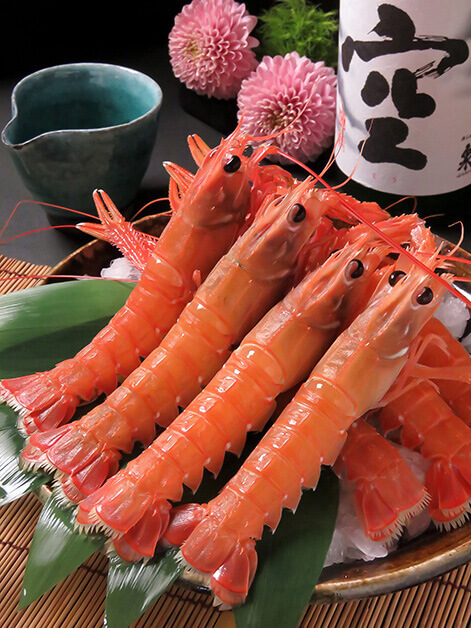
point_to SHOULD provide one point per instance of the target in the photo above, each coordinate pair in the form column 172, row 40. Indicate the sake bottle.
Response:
column 404, row 103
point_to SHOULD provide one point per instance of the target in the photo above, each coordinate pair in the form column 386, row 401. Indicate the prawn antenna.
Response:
column 20, row 235
column 155, row 200
column 395, row 245
column 401, row 200
column 67, row 209
column 329, row 163
column 337, row 146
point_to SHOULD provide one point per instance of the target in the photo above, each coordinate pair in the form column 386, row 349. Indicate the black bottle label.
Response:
column 404, row 95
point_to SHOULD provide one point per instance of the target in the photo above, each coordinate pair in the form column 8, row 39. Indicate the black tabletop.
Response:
column 139, row 42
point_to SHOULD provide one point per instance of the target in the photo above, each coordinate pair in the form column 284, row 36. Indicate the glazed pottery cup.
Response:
column 79, row 127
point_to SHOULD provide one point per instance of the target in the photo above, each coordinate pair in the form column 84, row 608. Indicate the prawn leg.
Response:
column 135, row 245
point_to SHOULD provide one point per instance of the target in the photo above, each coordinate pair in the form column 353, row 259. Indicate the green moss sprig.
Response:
column 299, row 25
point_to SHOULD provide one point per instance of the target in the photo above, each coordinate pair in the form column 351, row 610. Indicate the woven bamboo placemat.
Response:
column 78, row 602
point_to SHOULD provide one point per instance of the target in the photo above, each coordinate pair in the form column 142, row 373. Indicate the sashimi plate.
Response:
column 431, row 554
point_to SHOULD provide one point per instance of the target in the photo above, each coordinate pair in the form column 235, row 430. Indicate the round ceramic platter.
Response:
column 430, row 555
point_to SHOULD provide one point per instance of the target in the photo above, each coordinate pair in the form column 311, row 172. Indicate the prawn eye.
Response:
column 355, row 269
column 425, row 296
column 395, row 276
column 297, row 213
column 233, row 164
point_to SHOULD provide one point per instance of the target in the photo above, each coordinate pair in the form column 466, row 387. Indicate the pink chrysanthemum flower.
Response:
column 282, row 89
column 210, row 47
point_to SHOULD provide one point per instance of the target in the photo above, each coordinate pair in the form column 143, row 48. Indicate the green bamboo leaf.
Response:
column 38, row 328
column 44, row 352
column 291, row 560
column 41, row 326
column 56, row 551
column 29, row 313
column 133, row 587
column 14, row 481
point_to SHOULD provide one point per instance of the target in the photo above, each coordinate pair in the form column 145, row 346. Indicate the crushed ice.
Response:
column 453, row 313
column 121, row 268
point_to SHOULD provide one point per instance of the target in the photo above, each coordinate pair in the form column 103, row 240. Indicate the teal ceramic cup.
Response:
column 79, row 127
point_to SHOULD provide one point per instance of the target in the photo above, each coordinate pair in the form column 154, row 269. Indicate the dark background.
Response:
column 35, row 37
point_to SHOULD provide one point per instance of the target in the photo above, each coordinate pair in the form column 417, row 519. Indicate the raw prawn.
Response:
column 206, row 223
column 276, row 355
column 312, row 429
column 427, row 424
column 246, row 282
column 386, row 491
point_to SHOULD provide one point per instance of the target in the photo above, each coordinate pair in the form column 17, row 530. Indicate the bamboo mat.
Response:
column 78, row 602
